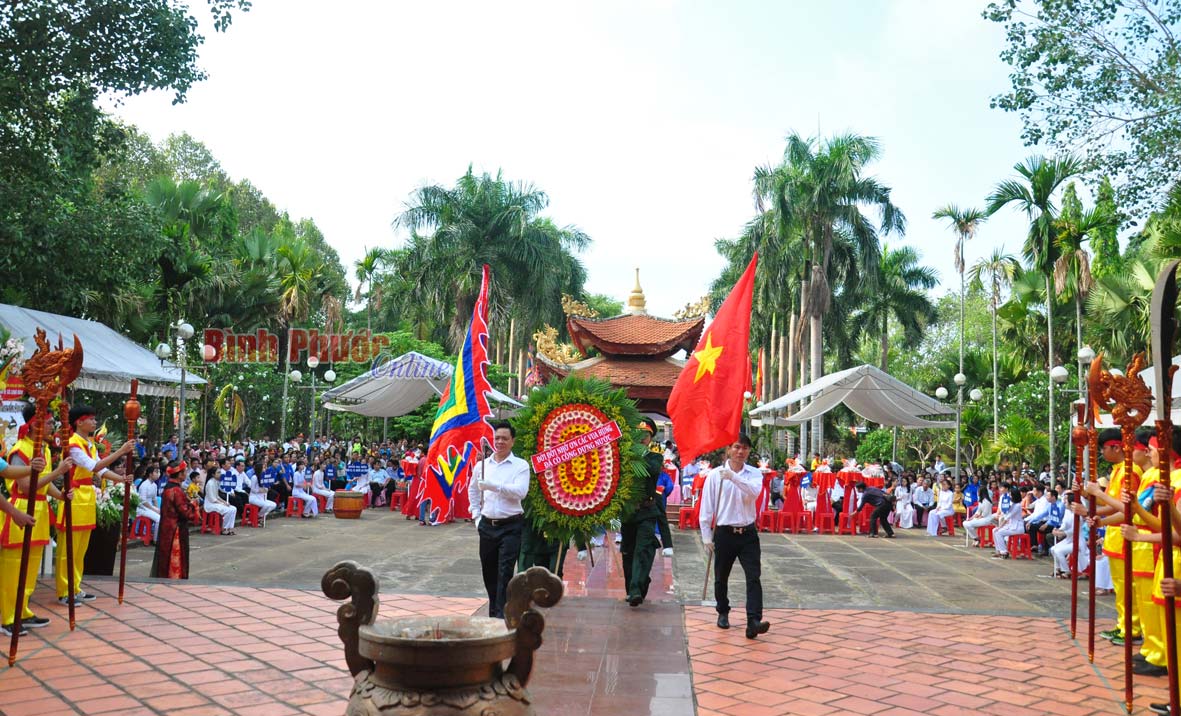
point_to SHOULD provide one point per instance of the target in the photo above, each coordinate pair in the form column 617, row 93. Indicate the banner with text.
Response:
column 581, row 445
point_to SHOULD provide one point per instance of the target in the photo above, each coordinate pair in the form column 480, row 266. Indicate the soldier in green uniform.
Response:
column 638, row 546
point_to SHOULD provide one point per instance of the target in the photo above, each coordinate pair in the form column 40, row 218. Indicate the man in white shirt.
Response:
column 922, row 497
column 498, row 485
column 730, row 497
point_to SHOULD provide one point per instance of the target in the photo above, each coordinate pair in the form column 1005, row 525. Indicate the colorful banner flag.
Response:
column 706, row 402
column 460, row 426
column 759, row 376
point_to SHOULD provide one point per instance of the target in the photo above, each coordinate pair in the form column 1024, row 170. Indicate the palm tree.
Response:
column 998, row 269
column 1034, row 194
column 964, row 222
column 820, row 188
column 1019, row 440
column 899, row 293
column 1121, row 305
column 367, row 269
column 488, row 220
column 1072, row 270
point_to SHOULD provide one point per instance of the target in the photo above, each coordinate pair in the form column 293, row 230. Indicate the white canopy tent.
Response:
column 109, row 359
column 868, row 391
column 397, row 387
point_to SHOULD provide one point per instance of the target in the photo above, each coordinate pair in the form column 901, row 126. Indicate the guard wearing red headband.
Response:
column 87, row 469
column 1113, row 541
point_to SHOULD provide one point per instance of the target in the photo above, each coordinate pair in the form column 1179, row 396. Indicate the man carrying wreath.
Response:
column 638, row 532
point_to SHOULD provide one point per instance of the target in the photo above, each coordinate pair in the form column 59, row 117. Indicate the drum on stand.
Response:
column 348, row 505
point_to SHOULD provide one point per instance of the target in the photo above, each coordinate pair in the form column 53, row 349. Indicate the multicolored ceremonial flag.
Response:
column 461, row 425
column 706, row 402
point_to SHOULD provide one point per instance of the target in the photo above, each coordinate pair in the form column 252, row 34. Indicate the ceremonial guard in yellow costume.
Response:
column 1113, row 540
column 87, row 468
column 12, row 534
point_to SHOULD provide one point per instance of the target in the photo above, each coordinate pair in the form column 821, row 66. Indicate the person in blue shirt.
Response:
column 170, row 449
column 1048, row 519
column 331, row 479
column 357, row 469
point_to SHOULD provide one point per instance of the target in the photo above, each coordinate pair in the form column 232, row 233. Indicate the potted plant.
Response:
column 104, row 540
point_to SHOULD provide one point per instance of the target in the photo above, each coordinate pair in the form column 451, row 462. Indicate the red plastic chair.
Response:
column 211, row 522
column 142, row 528
column 1019, row 547
column 397, row 497
column 294, row 506
column 250, row 515
column 984, row 534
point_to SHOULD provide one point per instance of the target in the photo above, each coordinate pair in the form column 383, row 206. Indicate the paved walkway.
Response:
column 902, row 627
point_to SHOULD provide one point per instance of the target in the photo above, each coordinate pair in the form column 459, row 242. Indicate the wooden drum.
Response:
column 348, row 505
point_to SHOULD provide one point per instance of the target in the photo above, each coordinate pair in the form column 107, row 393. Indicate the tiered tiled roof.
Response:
column 635, row 335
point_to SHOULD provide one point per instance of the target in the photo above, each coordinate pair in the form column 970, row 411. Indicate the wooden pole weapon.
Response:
column 1164, row 332
column 131, row 414
column 1078, row 436
column 64, row 432
column 1097, row 381
column 1133, row 403
column 45, row 375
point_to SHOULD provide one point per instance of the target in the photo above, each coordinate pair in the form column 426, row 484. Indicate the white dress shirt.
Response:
column 147, row 498
column 81, row 459
column 738, row 501
column 922, row 496
column 506, row 483
column 1040, row 510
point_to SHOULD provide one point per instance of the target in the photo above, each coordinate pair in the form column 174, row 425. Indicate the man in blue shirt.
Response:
column 330, row 477
column 170, row 449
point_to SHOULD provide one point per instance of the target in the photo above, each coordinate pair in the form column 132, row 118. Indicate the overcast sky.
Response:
column 642, row 121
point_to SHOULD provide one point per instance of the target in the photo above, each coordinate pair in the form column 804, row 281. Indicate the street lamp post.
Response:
column 959, row 379
column 184, row 331
column 313, row 362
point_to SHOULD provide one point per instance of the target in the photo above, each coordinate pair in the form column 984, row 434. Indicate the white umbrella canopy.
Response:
column 868, row 391
column 397, row 387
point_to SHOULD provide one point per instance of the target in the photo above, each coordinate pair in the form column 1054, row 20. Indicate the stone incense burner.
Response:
column 439, row 666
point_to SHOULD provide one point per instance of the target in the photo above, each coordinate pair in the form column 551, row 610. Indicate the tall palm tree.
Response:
column 1072, row 270
column 487, row 220
column 367, row 269
column 964, row 222
column 1033, row 194
column 821, row 188
column 998, row 269
column 900, row 292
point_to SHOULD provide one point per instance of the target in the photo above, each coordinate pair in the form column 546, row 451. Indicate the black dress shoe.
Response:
column 753, row 628
column 1162, row 709
column 1143, row 668
column 635, row 600
column 723, row 621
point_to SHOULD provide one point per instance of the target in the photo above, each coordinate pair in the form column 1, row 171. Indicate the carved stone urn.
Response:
column 439, row 666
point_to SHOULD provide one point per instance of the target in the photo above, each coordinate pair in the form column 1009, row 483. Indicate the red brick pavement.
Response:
column 824, row 663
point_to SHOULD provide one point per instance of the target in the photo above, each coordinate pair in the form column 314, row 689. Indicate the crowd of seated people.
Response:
column 224, row 477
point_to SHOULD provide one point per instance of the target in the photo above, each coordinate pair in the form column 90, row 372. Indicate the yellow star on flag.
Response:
column 707, row 357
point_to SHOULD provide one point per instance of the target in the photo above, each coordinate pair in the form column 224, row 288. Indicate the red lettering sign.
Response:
column 604, row 434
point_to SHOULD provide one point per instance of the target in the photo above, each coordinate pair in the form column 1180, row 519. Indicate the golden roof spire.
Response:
column 636, row 304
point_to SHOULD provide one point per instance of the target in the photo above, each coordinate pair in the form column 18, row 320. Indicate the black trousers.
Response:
column 880, row 516
column 239, row 500
column 666, row 533
column 500, row 546
column 730, row 545
column 279, row 494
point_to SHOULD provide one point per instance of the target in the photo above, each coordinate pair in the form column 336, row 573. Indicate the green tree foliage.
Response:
column 1105, row 241
column 486, row 219
column 875, row 446
column 1100, row 77
column 900, row 294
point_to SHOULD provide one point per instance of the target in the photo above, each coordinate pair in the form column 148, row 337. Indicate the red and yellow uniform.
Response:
column 12, row 537
column 1158, row 598
column 1143, row 569
column 1113, row 547
column 83, row 506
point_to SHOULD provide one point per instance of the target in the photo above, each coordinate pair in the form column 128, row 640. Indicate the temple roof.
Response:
column 635, row 334
column 642, row 377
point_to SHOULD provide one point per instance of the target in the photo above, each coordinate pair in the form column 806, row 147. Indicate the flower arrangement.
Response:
column 109, row 505
column 12, row 352
column 623, row 461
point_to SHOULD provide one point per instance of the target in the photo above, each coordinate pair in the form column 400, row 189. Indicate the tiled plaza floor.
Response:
column 825, row 663
column 188, row 649
column 195, row 648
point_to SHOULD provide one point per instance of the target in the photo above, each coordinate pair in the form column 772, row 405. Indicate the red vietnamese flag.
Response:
column 706, row 403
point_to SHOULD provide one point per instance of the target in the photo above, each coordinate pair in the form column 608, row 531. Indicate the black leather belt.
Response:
column 737, row 530
column 504, row 520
